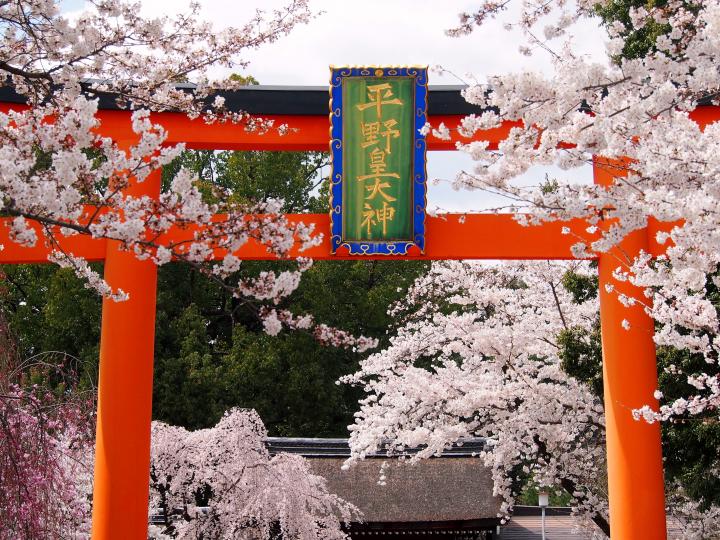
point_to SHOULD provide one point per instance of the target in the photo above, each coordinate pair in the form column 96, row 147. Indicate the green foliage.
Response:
column 580, row 350
column 641, row 41
column 49, row 309
column 529, row 496
column 211, row 353
column 247, row 80
column 582, row 287
column 256, row 176
column 691, row 445
column 549, row 185
column 580, row 355
column 638, row 42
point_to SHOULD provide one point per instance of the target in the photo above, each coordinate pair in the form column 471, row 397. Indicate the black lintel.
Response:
column 292, row 100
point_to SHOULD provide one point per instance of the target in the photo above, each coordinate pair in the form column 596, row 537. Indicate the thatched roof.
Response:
column 453, row 488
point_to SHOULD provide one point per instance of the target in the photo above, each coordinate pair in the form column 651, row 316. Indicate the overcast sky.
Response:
column 392, row 32
column 407, row 32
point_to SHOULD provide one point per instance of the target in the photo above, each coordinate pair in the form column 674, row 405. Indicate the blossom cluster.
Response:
column 60, row 177
column 221, row 482
column 46, row 443
column 476, row 355
column 645, row 112
column 56, row 165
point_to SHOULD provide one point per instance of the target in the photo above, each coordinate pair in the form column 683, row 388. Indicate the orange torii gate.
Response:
column 120, row 499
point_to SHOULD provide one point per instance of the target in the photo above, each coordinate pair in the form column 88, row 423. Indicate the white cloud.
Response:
column 397, row 32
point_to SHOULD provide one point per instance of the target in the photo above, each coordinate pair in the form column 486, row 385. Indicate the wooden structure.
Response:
column 635, row 472
column 449, row 497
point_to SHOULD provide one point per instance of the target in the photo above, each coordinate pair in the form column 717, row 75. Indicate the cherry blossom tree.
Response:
column 222, row 483
column 697, row 523
column 480, row 351
column 212, row 483
column 44, row 462
column 636, row 108
column 495, row 330
column 46, row 447
column 477, row 355
column 57, row 170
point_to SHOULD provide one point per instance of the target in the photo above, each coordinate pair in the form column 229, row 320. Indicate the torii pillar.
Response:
column 636, row 490
column 124, row 412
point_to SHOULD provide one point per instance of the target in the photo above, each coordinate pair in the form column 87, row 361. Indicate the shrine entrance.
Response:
column 120, row 499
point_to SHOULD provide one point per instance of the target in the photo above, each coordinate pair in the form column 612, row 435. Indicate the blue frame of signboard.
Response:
column 419, row 150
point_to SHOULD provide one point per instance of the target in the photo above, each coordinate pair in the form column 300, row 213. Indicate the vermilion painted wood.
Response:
column 634, row 466
column 125, row 387
column 706, row 115
column 305, row 133
column 634, row 453
column 83, row 246
column 452, row 236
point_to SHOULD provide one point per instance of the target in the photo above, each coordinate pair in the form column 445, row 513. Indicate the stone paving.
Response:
column 558, row 528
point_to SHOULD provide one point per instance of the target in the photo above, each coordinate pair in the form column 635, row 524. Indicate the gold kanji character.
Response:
column 377, row 189
column 373, row 216
column 377, row 166
column 371, row 131
column 377, row 161
column 389, row 133
column 368, row 218
column 385, row 214
column 379, row 95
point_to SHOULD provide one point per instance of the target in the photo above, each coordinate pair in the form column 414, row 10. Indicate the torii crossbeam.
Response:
column 120, row 498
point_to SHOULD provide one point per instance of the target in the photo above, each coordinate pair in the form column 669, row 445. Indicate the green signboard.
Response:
column 377, row 142
column 378, row 191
